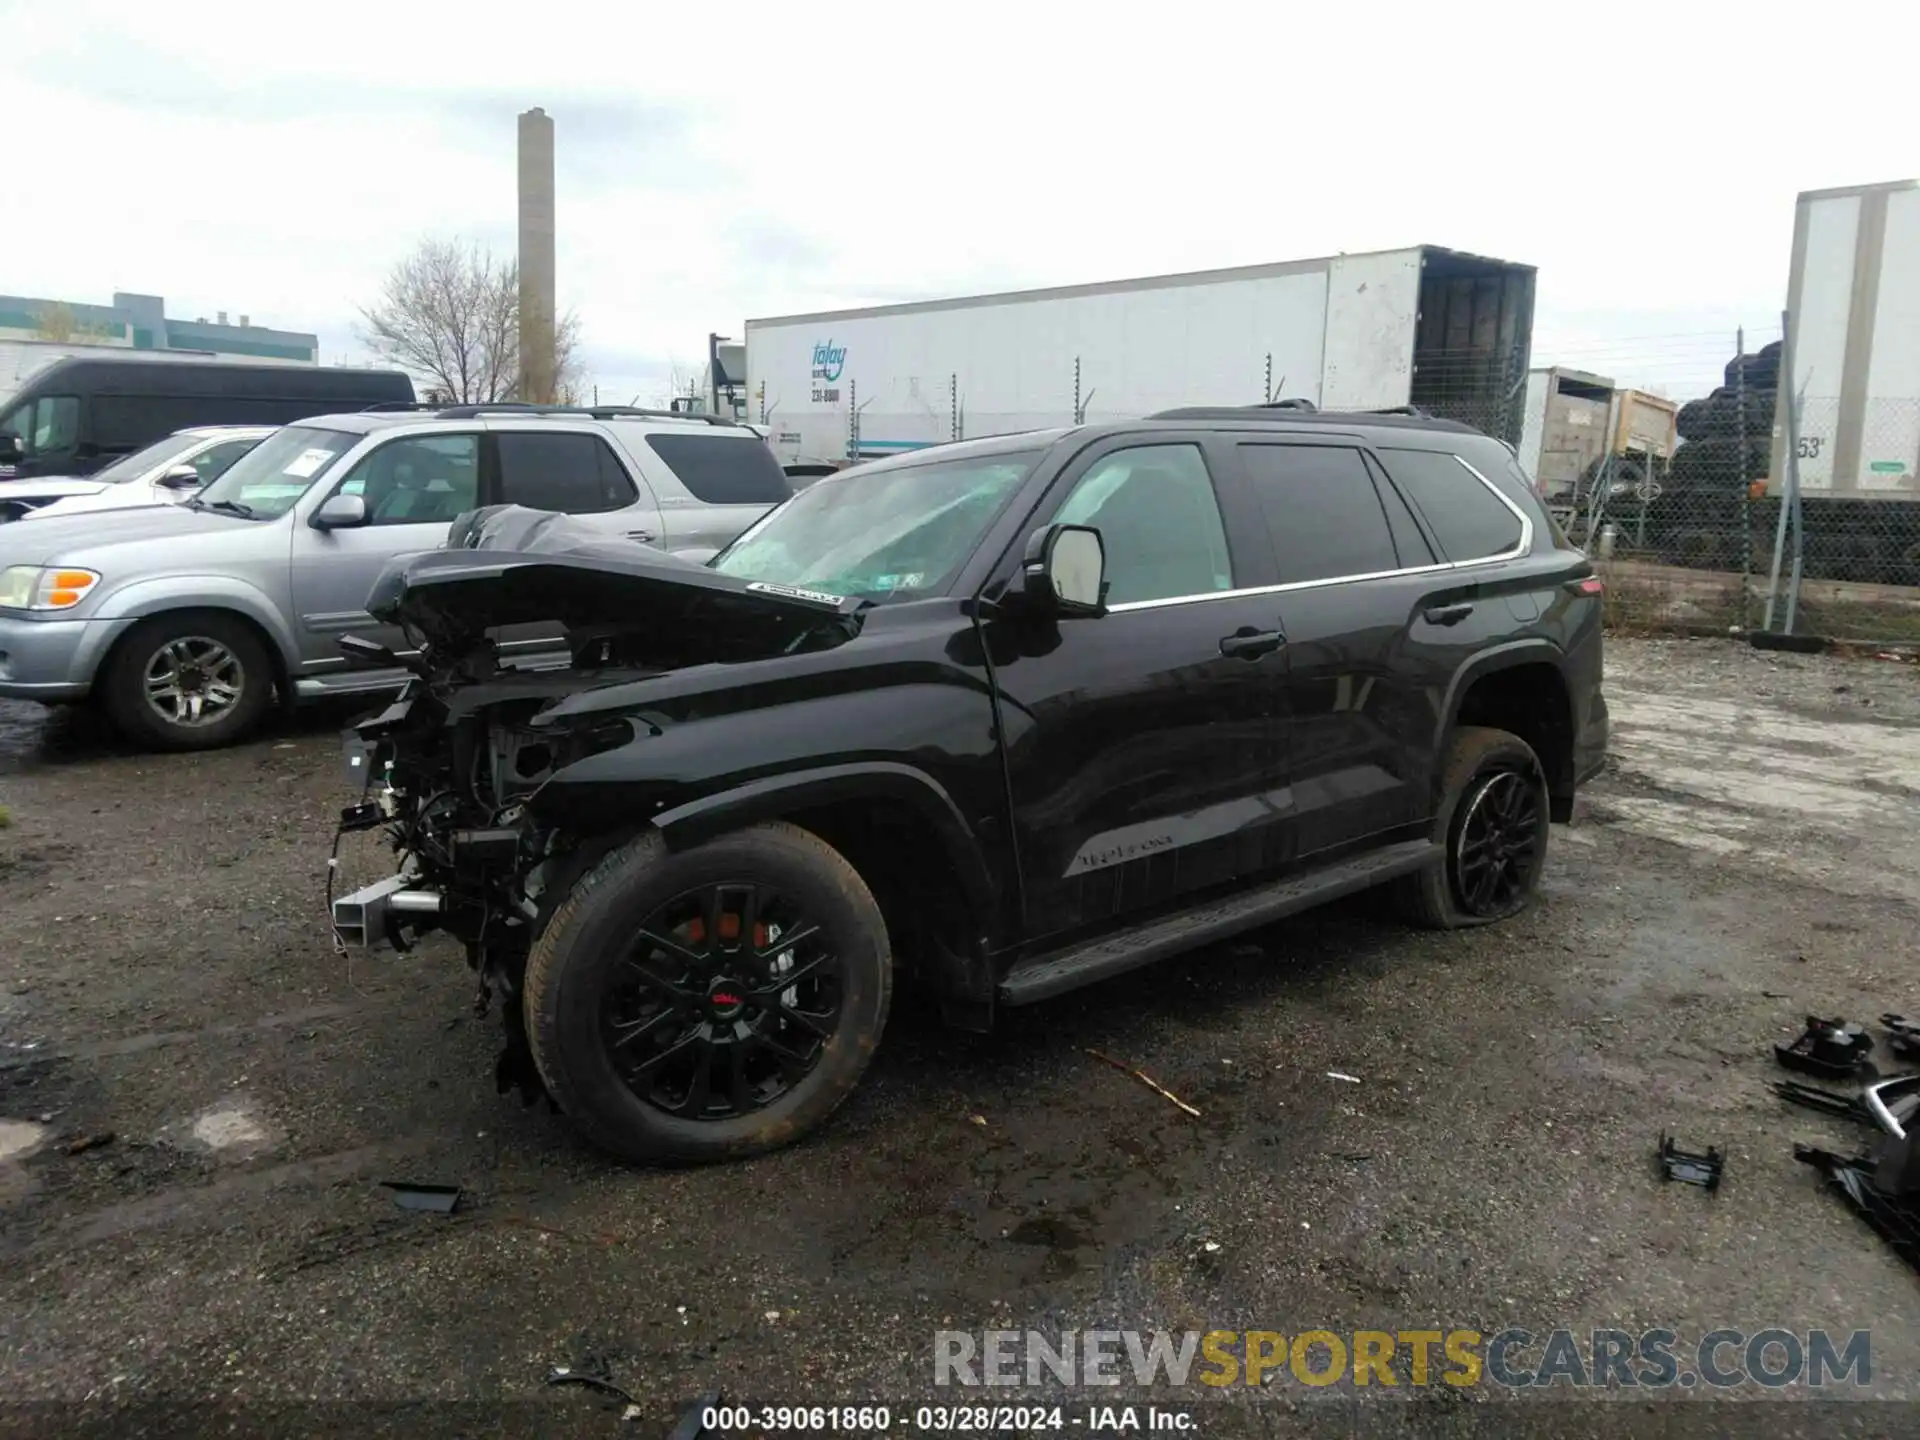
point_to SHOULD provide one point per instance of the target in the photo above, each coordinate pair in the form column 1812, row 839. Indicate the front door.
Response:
column 1144, row 752
column 414, row 488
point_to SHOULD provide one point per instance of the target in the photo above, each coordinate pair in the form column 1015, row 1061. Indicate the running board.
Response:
column 1045, row 976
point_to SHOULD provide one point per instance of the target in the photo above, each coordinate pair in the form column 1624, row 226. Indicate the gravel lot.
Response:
column 165, row 978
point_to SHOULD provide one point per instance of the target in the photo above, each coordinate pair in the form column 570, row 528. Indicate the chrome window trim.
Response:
column 1524, row 546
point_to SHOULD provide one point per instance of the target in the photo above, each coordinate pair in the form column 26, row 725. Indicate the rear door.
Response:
column 714, row 482
column 574, row 472
column 1143, row 748
column 1377, row 620
column 1351, row 565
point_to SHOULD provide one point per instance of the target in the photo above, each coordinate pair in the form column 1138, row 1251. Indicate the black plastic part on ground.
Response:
column 1903, row 1036
column 1689, row 1167
column 1812, row 1097
column 1831, row 1049
column 1893, row 1216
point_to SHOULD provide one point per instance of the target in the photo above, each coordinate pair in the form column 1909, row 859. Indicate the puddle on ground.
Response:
column 233, row 1126
column 19, row 1138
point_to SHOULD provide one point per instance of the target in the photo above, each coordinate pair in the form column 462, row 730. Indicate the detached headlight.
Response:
column 33, row 587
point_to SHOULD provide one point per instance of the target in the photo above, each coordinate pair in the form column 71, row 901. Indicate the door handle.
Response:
column 1247, row 643
column 645, row 537
column 1447, row 614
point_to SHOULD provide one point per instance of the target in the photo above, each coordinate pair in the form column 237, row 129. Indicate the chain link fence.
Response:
column 1709, row 538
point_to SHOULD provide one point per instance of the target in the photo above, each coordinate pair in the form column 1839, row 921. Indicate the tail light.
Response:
column 1591, row 585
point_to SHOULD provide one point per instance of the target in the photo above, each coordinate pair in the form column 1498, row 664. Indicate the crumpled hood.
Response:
column 509, row 565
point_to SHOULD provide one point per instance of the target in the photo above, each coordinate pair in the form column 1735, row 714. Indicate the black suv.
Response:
column 998, row 719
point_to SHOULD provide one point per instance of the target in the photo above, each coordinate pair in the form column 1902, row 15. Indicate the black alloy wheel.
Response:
column 1497, row 855
column 725, row 1002
column 711, row 1002
column 1490, row 834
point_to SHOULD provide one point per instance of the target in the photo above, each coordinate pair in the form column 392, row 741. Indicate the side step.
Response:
column 1045, row 976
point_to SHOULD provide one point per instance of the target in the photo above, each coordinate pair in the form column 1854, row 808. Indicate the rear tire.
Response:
column 1494, row 821
column 663, row 1042
column 187, row 680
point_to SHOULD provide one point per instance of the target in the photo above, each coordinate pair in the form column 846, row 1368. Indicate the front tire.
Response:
column 189, row 680
column 1494, row 824
column 711, row 1003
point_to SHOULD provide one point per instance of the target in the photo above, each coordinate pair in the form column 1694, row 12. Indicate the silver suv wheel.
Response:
column 194, row 680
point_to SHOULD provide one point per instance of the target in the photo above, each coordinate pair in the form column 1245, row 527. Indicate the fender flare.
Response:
column 778, row 795
column 144, row 599
column 1509, row 656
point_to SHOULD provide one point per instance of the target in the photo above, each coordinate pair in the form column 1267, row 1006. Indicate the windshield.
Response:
column 884, row 536
column 264, row 483
column 132, row 467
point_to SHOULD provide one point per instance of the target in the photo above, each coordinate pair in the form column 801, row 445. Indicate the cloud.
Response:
column 772, row 161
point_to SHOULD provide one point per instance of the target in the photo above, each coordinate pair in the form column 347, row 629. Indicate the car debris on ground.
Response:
column 1882, row 1185
column 435, row 1199
column 1702, row 1168
column 1146, row 1080
column 1832, row 1049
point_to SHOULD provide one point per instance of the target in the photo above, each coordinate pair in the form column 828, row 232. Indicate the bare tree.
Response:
column 449, row 315
column 683, row 383
column 55, row 321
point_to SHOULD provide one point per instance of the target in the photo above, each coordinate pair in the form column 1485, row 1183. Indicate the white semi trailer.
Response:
column 1853, row 303
column 1853, row 298
column 1438, row 329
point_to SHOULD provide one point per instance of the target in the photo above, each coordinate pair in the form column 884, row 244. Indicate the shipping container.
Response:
column 1573, row 418
column 1438, row 329
column 1563, row 427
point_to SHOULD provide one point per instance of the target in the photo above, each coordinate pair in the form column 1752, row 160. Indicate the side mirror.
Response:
column 179, row 477
column 1064, row 572
column 11, row 452
column 340, row 512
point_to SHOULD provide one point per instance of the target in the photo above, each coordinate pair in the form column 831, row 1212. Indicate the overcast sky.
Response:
column 723, row 161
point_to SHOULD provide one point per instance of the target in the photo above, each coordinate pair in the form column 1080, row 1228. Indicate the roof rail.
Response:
column 1300, row 412
column 595, row 412
column 390, row 405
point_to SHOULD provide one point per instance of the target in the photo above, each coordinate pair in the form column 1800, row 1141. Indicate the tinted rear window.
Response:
column 1322, row 512
column 723, row 469
column 1468, row 519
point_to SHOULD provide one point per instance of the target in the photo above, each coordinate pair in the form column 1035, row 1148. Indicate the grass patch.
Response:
column 1641, row 603
column 1851, row 620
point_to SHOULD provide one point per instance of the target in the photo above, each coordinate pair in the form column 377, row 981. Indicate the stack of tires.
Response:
column 1701, row 518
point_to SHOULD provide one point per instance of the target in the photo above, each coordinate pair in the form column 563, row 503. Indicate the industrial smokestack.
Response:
column 537, row 303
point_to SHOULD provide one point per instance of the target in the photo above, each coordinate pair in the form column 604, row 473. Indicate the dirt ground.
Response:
column 166, row 979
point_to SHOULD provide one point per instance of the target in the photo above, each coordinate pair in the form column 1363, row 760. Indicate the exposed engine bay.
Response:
column 456, row 771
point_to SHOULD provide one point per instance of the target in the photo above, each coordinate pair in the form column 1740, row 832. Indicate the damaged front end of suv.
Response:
column 499, row 784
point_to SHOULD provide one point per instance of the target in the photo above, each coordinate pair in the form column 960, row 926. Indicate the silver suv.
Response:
column 184, row 621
